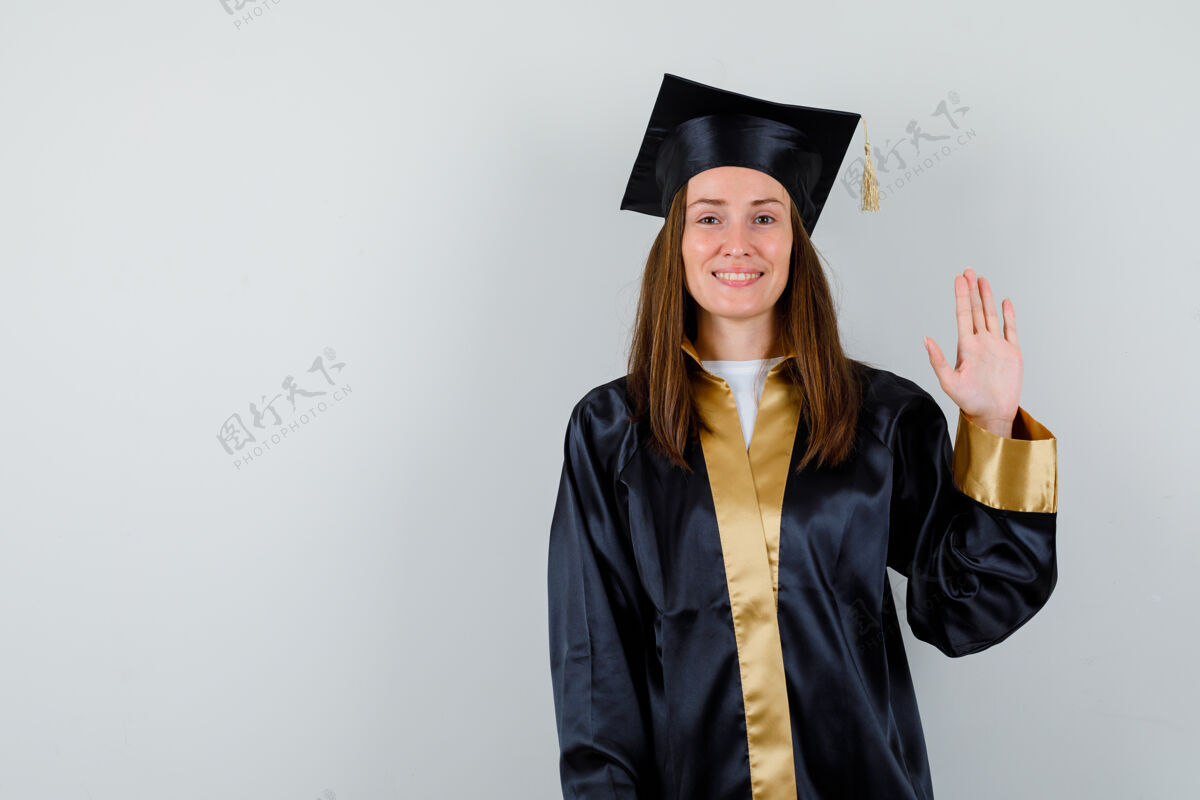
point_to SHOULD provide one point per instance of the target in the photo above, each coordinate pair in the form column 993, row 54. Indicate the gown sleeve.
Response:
column 600, row 701
column 973, row 528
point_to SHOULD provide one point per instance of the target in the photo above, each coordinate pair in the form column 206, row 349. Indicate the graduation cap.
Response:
column 694, row 127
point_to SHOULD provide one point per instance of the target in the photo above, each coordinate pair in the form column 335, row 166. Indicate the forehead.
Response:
column 729, row 183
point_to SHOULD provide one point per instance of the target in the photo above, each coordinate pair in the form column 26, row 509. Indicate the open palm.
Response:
column 985, row 381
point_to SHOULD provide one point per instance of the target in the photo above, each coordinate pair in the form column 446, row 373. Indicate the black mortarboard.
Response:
column 694, row 127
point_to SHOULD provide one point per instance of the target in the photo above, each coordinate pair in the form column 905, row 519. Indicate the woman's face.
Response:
column 737, row 221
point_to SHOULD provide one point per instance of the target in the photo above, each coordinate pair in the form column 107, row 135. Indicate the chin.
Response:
column 740, row 313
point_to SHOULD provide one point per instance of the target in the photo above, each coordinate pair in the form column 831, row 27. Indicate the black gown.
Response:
column 730, row 634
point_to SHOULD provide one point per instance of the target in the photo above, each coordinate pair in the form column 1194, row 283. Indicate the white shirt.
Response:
column 747, row 379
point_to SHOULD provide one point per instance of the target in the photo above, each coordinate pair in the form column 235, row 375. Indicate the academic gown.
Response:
column 731, row 634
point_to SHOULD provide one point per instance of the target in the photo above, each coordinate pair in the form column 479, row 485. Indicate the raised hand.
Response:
column 985, row 381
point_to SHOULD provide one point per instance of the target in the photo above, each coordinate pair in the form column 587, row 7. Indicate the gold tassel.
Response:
column 870, row 187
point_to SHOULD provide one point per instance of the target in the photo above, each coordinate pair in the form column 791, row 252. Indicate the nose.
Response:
column 736, row 244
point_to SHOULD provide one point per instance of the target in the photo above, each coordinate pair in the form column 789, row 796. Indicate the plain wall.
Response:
column 196, row 206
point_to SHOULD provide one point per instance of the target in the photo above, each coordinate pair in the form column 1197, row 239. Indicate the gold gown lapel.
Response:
column 771, row 456
column 747, row 490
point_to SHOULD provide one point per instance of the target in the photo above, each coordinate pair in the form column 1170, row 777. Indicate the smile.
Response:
column 737, row 278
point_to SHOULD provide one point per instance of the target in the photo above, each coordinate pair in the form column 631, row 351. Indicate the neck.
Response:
column 723, row 339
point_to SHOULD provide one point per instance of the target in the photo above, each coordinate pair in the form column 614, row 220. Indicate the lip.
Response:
column 739, row 284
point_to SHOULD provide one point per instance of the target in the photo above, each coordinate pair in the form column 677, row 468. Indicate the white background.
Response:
column 193, row 210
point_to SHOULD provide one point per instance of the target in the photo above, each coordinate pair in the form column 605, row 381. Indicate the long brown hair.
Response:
column 658, row 384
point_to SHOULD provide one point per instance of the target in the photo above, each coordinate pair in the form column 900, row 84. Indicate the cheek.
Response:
column 696, row 252
column 693, row 275
column 781, row 252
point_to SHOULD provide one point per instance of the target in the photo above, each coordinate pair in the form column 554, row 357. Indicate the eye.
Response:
column 767, row 216
column 706, row 216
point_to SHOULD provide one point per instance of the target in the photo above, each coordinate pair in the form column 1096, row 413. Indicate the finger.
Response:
column 937, row 360
column 1010, row 322
column 976, row 302
column 962, row 309
column 989, row 305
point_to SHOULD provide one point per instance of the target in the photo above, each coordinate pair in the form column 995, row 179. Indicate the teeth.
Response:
column 737, row 276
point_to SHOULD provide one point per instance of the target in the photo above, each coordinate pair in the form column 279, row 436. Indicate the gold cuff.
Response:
column 1017, row 474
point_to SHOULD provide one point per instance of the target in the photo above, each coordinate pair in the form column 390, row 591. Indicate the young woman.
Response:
column 721, row 620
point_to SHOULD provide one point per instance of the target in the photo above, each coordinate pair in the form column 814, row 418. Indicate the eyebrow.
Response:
column 714, row 202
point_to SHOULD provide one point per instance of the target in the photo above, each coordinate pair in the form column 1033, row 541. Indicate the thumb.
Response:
column 941, row 367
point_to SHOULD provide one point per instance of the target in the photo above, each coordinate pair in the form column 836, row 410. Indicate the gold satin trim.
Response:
column 747, row 489
column 1017, row 474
